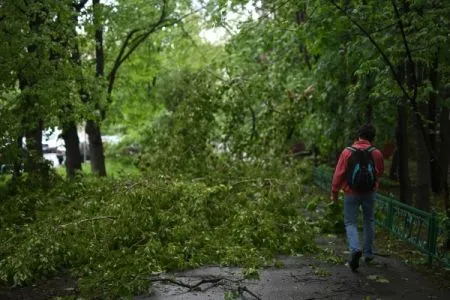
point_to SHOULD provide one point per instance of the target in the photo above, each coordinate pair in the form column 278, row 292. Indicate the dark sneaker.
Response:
column 368, row 260
column 354, row 262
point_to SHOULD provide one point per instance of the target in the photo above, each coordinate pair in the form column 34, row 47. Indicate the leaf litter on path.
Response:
column 378, row 278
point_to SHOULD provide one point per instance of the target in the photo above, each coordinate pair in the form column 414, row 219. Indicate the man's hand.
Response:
column 334, row 197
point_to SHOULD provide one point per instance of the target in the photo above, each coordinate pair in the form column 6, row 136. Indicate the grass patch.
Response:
column 4, row 179
column 114, row 168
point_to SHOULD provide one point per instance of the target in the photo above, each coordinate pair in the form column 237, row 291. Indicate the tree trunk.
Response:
column 369, row 113
column 300, row 18
column 423, row 182
column 34, row 139
column 99, row 55
column 66, row 113
column 444, row 159
column 393, row 172
column 18, row 162
column 35, row 156
column 96, row 147
column 401, row 136
column 33, row 128
column 32, row 124
column 436, row 172
column 92, row 127
column 423, row 146
column 73, row 154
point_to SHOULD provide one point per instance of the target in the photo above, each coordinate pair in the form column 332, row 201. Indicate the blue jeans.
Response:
column 351, row 211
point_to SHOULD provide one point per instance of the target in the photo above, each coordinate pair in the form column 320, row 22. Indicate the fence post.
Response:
column 432, row 236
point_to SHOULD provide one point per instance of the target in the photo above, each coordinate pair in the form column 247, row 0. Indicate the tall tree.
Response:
column 166, row 16
column 68, row 113
column 93, row 126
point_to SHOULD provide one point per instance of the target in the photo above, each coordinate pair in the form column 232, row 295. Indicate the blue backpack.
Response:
column 361, row 173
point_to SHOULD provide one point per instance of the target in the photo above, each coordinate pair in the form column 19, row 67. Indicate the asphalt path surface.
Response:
column 304, row 277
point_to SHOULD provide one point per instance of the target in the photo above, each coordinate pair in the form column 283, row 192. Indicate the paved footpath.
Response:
column 307, row 278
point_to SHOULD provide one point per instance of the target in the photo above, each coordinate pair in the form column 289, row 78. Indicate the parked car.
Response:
column 111, row 139
column 61, row 153
column 50, row 140
column 47, row 149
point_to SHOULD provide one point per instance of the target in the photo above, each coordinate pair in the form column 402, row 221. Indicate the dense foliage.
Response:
column 210, row 128
column 113, row 233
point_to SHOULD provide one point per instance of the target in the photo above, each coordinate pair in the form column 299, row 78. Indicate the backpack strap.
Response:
column 371, row 149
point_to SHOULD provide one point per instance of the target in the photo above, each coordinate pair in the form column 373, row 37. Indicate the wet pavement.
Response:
column 302, row 277
column 305, row 277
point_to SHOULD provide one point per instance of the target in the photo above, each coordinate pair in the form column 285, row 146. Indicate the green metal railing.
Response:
column 417, row 227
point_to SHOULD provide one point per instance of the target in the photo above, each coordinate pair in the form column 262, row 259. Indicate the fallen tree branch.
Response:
column 215, row 281
column 244, row 289
column 134, row 185
column 87, row 220
column 256, row 180
column 187, row 285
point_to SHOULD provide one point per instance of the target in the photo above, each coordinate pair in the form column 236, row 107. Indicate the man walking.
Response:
column 357, row 173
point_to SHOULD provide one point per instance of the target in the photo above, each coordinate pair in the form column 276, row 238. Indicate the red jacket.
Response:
column 340, row 174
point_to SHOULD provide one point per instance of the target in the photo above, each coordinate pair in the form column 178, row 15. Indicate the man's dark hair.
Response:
column 367, row 132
